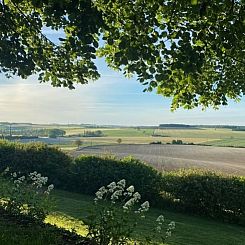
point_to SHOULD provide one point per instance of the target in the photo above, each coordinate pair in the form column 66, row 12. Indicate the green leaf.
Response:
column 194, row 2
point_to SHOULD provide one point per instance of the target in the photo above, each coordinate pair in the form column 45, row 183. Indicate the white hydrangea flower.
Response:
column 33, row 174
column 129, row 204
column 100, row 193
column 130, row 189
column 158, row 228
column 160, row 219
column 116, row 195
column 17, row 182
column 50, row 187
column 122, row 183
column 112, row 186
column 137, row 196
column 171, row 225
column 145, row 206
column 22, row 178
column 14, row 174
column 38, row 179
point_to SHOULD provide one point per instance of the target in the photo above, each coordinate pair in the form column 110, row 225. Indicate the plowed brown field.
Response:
column 169, row 157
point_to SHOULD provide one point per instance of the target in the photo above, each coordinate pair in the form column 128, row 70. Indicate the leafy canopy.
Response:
column 190, row 50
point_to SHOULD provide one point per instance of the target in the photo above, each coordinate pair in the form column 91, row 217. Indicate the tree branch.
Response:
column 29, row 21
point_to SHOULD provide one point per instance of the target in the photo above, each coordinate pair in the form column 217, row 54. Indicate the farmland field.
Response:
column 208, row 136
column 168, row 157
column 130, row 135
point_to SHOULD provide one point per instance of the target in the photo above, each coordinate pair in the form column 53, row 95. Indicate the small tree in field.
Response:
column 119, row 141
column 78, row 143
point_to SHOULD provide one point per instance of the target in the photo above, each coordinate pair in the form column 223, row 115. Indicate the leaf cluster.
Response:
column 192, row 51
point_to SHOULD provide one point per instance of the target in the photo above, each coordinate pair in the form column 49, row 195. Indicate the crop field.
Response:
column 169, row 157
column 131, row 135
column 208, row 136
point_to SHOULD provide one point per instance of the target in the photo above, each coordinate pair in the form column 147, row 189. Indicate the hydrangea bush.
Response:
column 117, row 213
column 25, row 195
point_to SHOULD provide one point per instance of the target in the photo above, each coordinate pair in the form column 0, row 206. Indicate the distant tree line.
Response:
column 96, row 133
column 13, row 132
column 175, row 126
column 239, row 128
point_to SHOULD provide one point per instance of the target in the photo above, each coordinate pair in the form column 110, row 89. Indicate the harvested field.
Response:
column 169, row 157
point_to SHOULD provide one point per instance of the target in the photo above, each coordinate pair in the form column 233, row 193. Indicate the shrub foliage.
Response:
column 27, row 158
column 26, row 196
column 207, row 193
column 92, row 172
column 202, row 192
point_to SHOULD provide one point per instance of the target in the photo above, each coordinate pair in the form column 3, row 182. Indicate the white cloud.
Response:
column 110, row 100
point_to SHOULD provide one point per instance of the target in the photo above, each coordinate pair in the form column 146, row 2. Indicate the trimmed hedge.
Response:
column 207, row 193
column 92, row 172
column 197, row 191
column 26, row 158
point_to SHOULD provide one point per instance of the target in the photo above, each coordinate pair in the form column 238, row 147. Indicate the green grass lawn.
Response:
column 73, row 208
column 190, row 230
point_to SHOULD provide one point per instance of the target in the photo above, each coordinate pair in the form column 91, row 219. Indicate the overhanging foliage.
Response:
column 192, row 51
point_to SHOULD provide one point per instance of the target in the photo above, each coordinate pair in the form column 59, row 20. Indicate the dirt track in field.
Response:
column 169, row 157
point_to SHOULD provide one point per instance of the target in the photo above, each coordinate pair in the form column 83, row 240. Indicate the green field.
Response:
column 137, row 135
column 207, row 136
column 190, row 230
column 237, row 142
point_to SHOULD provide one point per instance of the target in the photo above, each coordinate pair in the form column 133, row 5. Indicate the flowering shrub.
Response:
column 25, row 195
column 160, row 233
column 116, row 214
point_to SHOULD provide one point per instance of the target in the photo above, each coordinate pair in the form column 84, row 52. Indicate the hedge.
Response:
column 92, row 172
column 203, row 192
column 208, row 193
column 26, row 158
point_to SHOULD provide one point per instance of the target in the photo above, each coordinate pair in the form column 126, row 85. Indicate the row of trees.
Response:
column 79, row 142
column 27, row 132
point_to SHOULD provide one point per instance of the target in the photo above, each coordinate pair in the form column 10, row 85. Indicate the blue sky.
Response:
column 112, row 99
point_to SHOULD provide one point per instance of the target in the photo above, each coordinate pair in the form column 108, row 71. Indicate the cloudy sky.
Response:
column 112, row 99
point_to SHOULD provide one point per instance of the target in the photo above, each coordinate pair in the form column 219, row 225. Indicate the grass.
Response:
column 210, row 133
column 73, row 208
column 231, row 142
column 190, row 230
column 128, row 132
